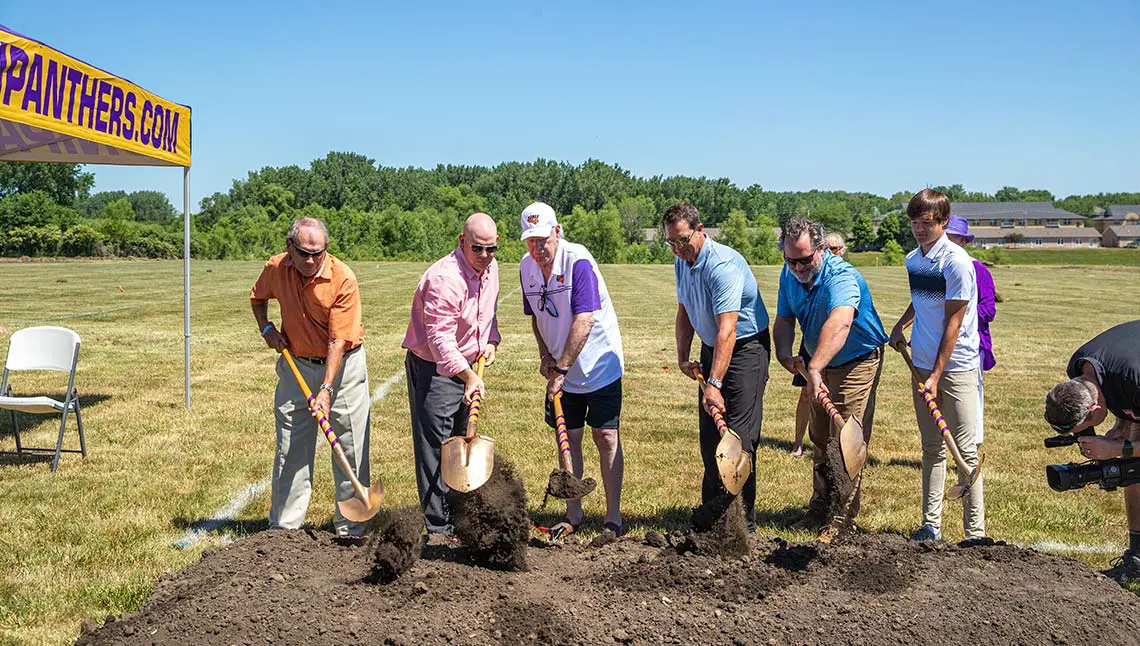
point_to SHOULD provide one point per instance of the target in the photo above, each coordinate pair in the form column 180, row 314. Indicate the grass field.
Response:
column 1084, row 257
column 90, row 540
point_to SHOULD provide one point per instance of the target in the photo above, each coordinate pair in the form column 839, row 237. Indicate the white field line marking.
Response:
column 226, row 513
column 381, row 391
column 508, row 295
column 1076, row 548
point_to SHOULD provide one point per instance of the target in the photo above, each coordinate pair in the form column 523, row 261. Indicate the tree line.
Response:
column 377, row 212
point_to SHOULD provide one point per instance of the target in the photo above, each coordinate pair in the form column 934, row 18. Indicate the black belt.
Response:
column 320, row 361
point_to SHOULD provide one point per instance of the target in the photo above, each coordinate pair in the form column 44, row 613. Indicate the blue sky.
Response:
column 870, row 96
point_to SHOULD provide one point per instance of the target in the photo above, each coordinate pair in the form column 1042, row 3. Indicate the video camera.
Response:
column 1108, row 474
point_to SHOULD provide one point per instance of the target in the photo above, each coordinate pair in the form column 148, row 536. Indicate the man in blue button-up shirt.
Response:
column 843, row 339
column 717, row 298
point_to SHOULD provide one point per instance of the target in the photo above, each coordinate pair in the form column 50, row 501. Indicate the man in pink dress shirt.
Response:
column 453, row 324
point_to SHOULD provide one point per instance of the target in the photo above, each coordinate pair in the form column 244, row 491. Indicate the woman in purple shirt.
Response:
column 959, row 233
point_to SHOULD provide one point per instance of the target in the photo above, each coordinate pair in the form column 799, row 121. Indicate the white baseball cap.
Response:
column 538, row 220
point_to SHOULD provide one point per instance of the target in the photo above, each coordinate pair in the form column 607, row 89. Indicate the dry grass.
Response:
column 90, row 540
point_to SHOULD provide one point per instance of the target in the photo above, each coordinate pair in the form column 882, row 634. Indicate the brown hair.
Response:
column 929, row 201
column 681, row 211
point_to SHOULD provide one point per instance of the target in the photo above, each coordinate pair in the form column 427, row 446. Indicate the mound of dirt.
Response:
column 395, row 538
column 492, row 521
column 719, row 529
column 302, row 587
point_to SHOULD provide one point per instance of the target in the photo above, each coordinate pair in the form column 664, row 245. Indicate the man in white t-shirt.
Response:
column 944, row 347
column 580, row 350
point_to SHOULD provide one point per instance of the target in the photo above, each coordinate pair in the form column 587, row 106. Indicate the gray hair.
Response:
column 795, row 228
column 1068, row 403
column 835, row 240
column 302, row 223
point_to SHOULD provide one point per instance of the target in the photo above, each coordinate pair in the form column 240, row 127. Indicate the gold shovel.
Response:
column 367, row 501
column 466, row 461
column 732, row 462
column 851, row 442
column 958, row 490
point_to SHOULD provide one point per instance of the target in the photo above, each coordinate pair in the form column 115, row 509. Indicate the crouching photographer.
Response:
column 1104, row 377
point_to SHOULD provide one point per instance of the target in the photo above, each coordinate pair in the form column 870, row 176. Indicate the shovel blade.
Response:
column 357, row 510
column 853, row 447
column 466, row 463
column 732, row 462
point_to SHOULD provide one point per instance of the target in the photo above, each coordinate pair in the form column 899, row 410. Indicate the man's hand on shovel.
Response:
column 712, row 398
column 276, row 340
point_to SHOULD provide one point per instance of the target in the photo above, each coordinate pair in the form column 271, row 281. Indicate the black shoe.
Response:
column 1125, row 569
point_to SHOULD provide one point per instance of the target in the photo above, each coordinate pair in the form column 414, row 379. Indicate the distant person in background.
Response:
column 959, row 233
column 834, row 243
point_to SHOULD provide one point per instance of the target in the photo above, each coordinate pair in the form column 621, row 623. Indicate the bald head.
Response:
column 480, row 225
column 479, row 237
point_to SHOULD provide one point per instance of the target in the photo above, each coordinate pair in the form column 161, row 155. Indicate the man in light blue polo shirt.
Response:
column 843, row 338
column 717, row 298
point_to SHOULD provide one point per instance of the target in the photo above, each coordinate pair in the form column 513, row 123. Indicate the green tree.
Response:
column 862, row 232
column 64, row 183
column 637, row 214
column 833, row 215
column 735, row 233
column 152, row 206
column 892, row 254
column 34, row 209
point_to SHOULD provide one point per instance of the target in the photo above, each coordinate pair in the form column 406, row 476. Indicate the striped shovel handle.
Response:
column 326, row 428
column 476, row 402
column 939, row 420
column 715, row 411
column 829, row 406
column 560, row 432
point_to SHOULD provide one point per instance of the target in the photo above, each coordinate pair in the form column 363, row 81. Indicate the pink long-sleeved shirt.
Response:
column 453, row 314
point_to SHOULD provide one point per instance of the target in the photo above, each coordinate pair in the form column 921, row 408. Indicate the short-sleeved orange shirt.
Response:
column 314, row 311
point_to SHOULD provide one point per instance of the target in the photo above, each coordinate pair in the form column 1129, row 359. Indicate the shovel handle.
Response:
column 717, row 414
column 323, row 422
column 940, row 421
column 829, row 406
column 560, row 433
column 476, row 402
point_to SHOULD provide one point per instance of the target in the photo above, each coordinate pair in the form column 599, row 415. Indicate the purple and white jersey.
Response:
column 575, row 286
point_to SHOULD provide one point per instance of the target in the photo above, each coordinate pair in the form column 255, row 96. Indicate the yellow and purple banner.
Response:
column 55, row 108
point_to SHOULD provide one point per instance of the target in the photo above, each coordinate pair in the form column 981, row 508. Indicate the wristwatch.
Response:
column 327, row 387
column 561, row 371
column 715, row 383
column 1126, row 452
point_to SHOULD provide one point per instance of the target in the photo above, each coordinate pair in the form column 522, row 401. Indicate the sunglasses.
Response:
column 835, row 249
column 681, row 242
column 546, row 303
column 306, row 252
column 480, row 248
column 805, row 261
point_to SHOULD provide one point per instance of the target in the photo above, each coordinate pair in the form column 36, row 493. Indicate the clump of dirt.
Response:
column 564, row 486
column 718, row 529
column 873, row 590
column 492, row 521
column 842, row 492
column 396, row 539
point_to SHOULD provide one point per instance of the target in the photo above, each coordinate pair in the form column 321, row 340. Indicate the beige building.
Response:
column 1124, row 235
column 1116, row 215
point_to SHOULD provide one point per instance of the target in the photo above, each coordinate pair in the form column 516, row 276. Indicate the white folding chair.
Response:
column 43, row 348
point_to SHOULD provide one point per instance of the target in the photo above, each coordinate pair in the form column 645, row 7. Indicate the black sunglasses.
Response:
column 306, row 252
column 480, row 248
column 546, row 303
column 806, row 260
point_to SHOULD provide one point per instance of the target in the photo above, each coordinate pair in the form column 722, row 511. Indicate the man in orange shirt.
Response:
column 321, row 326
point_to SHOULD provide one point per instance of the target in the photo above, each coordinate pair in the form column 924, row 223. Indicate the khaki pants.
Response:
column 958, row 401
column 851, row 387
column 297, row 434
